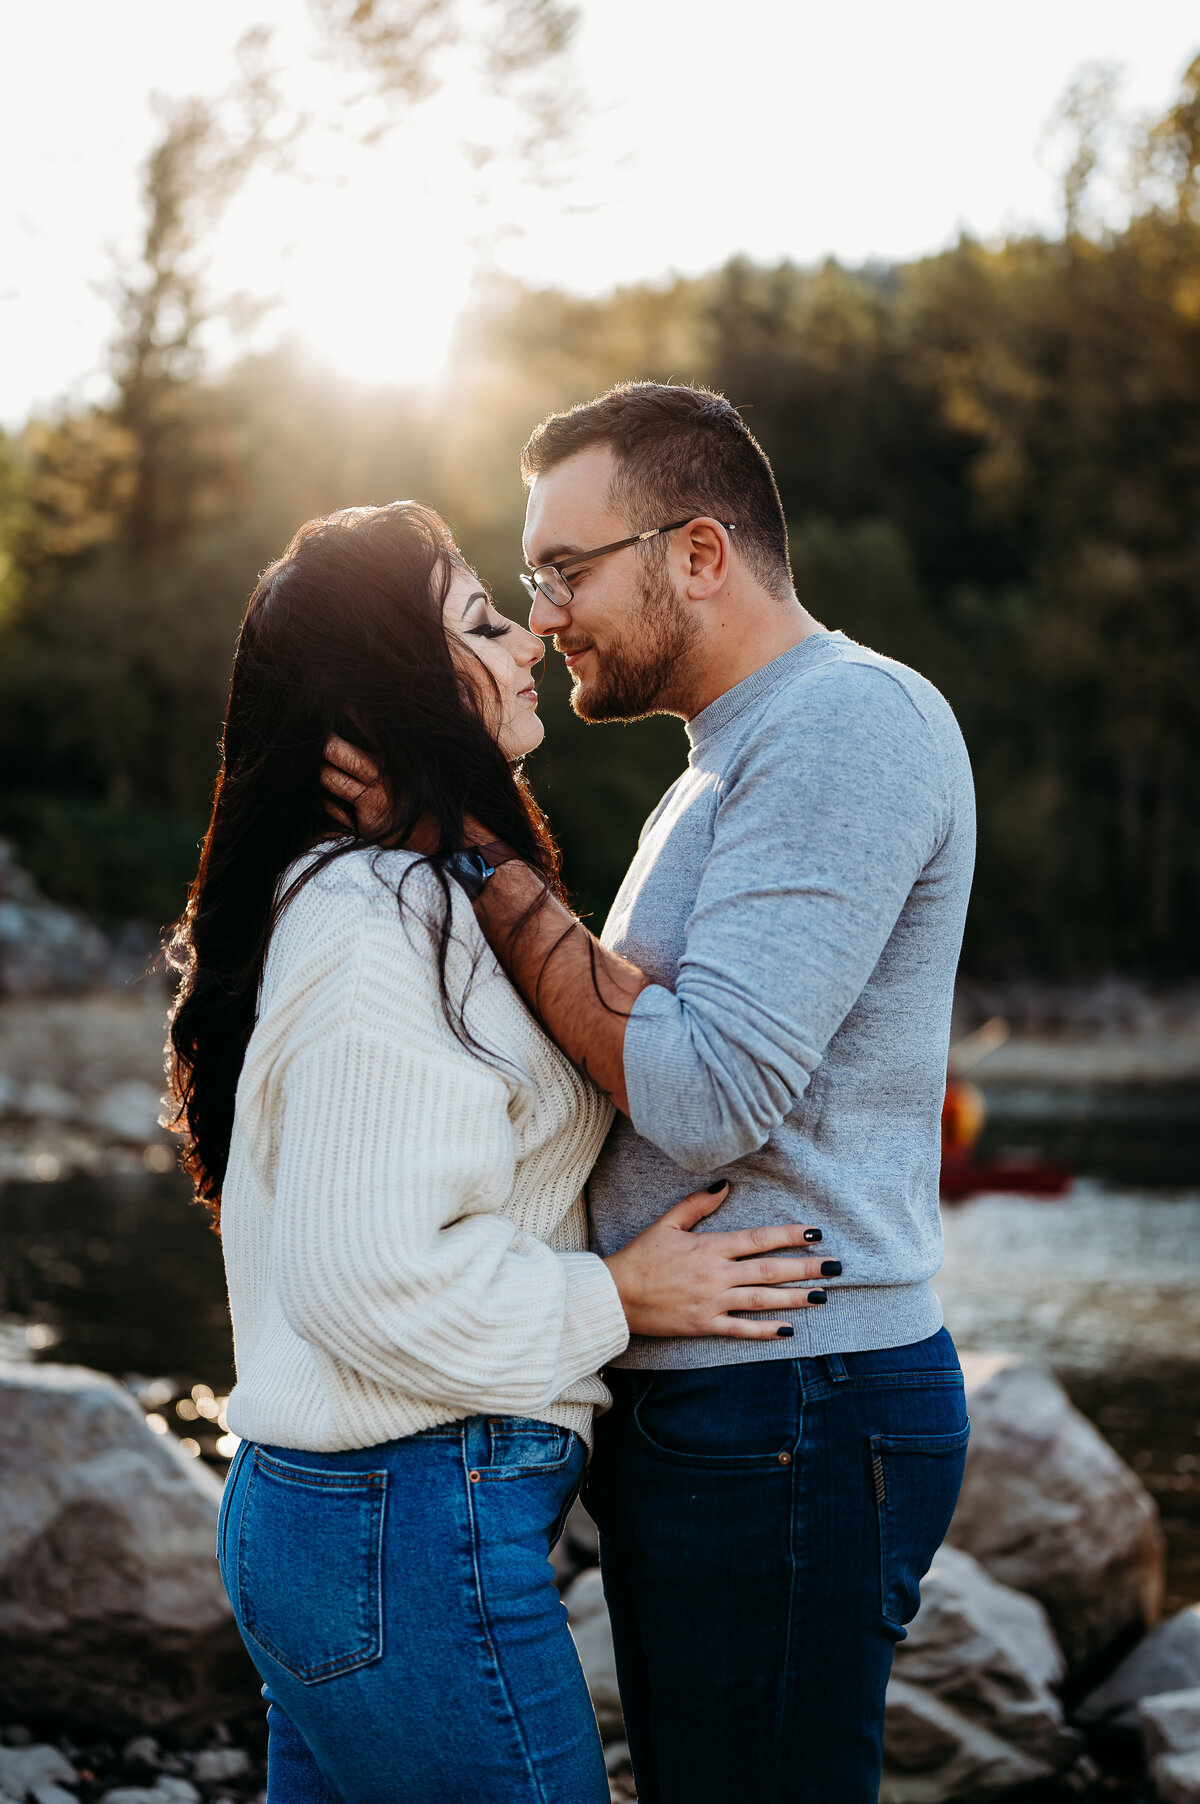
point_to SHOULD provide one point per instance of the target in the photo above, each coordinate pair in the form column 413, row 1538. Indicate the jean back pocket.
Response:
column 916, row 1479
column 310, row 1554
column 519, row 1448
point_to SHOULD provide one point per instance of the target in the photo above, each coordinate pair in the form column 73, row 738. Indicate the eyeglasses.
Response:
column 549, row 579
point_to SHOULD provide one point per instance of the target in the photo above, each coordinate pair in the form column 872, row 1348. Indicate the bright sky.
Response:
column 781, row 128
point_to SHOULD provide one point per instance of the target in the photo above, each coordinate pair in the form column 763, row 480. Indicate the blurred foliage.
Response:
column 398, row 43
column 512, row 52
column 990, row 460
column 106, row 860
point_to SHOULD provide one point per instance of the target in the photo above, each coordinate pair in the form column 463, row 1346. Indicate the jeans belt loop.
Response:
column 476, row 1442
column 835, row 1367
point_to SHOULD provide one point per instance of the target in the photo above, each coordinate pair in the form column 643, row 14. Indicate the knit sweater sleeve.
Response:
column 395, row 1149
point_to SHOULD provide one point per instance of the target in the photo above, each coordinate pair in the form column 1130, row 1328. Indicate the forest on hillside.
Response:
column 989, row 459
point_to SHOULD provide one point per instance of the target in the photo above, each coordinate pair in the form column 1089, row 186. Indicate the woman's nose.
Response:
column 530, row 651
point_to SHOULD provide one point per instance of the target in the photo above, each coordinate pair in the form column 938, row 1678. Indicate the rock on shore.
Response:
column 972, row 1710
column 113, row 1619
column 112, row 1613
column 1050, row 1509
column 1167, row 1660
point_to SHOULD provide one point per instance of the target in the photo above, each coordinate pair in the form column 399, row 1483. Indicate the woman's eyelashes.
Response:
column 491, row 629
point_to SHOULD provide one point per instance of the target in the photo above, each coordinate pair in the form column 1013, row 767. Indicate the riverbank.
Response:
column 104, row 1263
column 1114, row 1031
column 81, row 1075
column 1103, row 1287
column 80, row 1083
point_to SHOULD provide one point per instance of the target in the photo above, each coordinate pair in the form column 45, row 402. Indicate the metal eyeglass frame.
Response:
column 533, row 588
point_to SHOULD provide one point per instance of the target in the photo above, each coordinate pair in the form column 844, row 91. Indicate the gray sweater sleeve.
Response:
column 824, row 823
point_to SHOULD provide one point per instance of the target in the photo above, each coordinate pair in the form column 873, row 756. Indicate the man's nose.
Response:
column 545, row 618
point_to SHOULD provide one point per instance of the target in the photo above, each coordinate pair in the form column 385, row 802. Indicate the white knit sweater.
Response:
column 403, row 1220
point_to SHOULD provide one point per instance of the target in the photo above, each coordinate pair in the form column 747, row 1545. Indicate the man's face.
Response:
column 626, row 635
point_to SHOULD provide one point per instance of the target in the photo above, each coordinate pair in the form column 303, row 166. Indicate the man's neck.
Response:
column 747, row 634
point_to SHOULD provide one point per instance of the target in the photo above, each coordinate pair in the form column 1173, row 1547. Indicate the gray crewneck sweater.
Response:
column 798, row 896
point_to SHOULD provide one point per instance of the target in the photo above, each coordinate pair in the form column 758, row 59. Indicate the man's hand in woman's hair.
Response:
column 356, row 798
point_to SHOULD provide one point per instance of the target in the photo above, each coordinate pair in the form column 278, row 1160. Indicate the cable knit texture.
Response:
column 403, row 1218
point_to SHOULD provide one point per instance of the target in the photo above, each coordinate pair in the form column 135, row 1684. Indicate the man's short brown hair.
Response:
column 679, row 451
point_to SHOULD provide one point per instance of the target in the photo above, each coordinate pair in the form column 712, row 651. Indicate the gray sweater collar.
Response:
column 813, row 650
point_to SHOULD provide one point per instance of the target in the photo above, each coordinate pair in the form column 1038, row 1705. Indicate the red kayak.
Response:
column 1017, row 1177
column 964, row 1113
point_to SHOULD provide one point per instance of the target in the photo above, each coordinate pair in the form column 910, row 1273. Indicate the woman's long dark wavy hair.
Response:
column 343, row 634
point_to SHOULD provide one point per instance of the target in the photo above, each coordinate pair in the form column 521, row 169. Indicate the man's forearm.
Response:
column 580, row 992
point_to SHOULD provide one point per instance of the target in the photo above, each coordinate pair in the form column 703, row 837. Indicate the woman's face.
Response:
column 509, row 654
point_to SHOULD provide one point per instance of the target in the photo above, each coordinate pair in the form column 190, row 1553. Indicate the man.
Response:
column 769, row 1004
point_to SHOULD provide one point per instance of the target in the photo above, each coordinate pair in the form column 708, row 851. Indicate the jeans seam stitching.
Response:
column 380, row 1499
column 793, row 1573
column 227, row 1502
column 879, row 1493
column 513, row 1718
column 560, row 1525
column 909, row 1381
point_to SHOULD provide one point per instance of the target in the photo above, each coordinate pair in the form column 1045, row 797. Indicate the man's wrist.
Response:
column 473, row 866
column 494, row 850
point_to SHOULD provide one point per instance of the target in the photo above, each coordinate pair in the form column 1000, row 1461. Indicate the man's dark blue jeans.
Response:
column 764, row 1529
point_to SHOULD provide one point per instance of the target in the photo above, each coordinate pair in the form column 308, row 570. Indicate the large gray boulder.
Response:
column 112, row 1612
column 1177, row 1778
column 587, row 1613
column 1050, row 1509
column 39, row 1765
column 972, row 1710
column 1170, row 1723
column 1167, row 1660
column 1170, row 1727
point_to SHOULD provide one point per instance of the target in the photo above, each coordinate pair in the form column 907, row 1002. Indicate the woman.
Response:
column 397, row 1155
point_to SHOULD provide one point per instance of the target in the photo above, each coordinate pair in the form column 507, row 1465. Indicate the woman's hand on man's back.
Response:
column 673, row 1281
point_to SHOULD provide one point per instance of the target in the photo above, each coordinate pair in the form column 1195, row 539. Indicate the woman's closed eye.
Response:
column 490, row 629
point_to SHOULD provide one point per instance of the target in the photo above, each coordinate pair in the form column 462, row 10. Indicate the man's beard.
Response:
column 646, row 672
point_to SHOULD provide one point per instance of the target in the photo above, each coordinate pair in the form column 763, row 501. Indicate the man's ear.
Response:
column 705, row 547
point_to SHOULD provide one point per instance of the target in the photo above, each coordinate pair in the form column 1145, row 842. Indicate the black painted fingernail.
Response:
column 831, row 1268
column 818, row 1296
column 813, row 1234
column 785, row 1332
column 713, row 1188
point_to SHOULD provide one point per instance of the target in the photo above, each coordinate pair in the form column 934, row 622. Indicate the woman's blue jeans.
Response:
column 400, row 1606
column 764, row 1529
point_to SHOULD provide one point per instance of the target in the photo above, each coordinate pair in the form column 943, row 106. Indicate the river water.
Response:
column 123, row 1274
